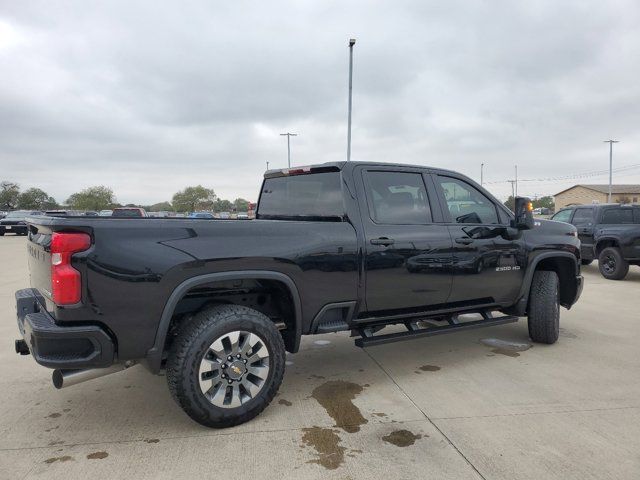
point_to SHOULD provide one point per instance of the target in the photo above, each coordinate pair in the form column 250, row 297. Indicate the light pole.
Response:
column 610, row 142
column 352, row 42
column 481, row 174
column 267, row 164
column 516, row 181
column 289, row 135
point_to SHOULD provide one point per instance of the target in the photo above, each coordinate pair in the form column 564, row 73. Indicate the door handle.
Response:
column 464, row 240
column 382, row 241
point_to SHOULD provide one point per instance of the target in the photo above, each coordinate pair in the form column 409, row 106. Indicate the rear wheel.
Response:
column 226, row 365
column 612, row 265
column 544, row 307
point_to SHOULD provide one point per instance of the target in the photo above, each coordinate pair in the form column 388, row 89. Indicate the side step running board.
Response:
column 369, row 340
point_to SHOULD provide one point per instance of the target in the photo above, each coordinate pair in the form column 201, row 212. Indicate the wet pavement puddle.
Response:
column 336, row 396
column 326, row 442
column 504, row 347
column 402, row 438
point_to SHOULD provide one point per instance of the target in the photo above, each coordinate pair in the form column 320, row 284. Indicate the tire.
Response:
column 1, row 234
column 586, row 262
column 612, row 265
column 224, row 405
column 544, row 307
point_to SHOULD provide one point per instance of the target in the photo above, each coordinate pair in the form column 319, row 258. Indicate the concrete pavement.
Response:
column 445, row 407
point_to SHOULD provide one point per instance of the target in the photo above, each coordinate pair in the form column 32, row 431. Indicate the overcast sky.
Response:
column 150, row 97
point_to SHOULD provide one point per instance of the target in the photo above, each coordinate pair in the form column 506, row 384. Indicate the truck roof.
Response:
column 338, row 166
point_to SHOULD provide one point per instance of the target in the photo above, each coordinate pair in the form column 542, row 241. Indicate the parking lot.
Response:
column 455, row 406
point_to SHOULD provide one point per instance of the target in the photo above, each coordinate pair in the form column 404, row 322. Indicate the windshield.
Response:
column 16, row 215
column 314, row 195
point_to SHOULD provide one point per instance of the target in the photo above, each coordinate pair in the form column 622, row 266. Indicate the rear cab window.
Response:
column 311, row 196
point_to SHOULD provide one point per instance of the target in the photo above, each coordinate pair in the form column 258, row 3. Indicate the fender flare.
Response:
column 523, row 301
column 605, row 238
column 154, row 354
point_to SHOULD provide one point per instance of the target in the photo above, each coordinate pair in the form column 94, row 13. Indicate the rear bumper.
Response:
column 13, row 229
column 56, row 346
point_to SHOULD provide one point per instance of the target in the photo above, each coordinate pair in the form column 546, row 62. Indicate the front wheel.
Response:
column 544, row 307
column 226, row 365
column 612, row 264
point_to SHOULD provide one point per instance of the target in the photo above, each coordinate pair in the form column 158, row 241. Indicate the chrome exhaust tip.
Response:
column 67, row 378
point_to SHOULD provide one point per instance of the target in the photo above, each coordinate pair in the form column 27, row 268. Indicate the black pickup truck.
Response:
column 609, row 233
column 334, row 247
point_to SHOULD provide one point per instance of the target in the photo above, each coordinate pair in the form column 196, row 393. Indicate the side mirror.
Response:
column 524, row 214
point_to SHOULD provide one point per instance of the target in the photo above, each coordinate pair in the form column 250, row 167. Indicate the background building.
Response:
column 587, row 194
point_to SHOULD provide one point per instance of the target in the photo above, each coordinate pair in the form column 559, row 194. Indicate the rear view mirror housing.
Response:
column 524, row 214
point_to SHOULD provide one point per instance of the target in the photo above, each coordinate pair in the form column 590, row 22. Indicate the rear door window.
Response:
column 312, row 195
column 617, row 216
column 398, row 198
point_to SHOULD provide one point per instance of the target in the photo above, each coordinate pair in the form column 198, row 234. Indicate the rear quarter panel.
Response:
column 134, row 265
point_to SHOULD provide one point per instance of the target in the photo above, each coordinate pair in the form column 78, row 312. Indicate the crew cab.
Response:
column 335, row 247
column 609, row 233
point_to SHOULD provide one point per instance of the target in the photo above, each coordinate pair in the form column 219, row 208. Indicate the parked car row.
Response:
column 14, row 222
column 609, row 233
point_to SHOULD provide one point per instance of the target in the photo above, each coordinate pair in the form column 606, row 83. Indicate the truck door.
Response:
column 407, row 255
column 584, row 222
column 487, row 268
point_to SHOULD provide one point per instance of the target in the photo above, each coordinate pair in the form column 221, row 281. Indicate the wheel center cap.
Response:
column 236, row 370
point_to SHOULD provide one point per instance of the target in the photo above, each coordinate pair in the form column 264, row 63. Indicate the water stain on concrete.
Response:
column 319, row 377
column 152, row 440
column 505, row 352
column 504, row 347
column 52, row 428
column 64, row 458
column 97, row 455
column 567, row 334
column 401, row 438
column 287, row 403
column 326, row 443
column 66, row 410
column 336, row 396
column 380, row 414
column 56, row 442
column 54, row 415
column 429, row 368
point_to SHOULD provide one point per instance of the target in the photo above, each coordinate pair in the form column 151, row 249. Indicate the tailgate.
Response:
column 38, row 248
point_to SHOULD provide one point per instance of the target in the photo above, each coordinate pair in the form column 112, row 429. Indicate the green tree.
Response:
column 510, row 203
column 241, row 205
column 222, row 206
column 92, row 198
column 192, row 199
column 161, row 207
column 36, row 199
column 544, row 202
column 9, row 193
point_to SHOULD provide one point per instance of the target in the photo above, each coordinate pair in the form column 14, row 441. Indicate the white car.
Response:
column 105, row 213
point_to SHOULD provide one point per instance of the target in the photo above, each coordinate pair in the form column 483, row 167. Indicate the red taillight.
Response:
column 66, row 288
